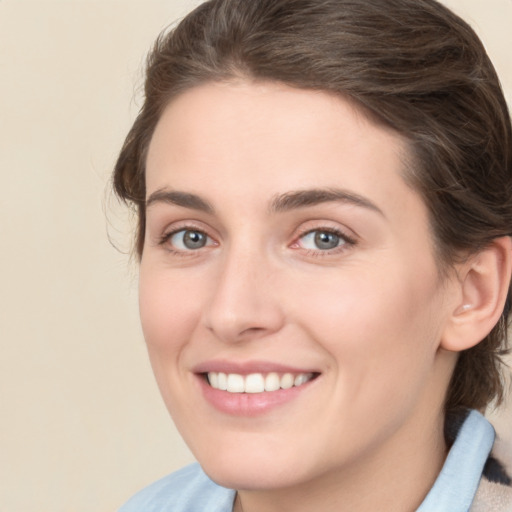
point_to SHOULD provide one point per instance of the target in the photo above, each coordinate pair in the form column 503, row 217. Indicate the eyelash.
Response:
column 346, row 241
column 165, row 240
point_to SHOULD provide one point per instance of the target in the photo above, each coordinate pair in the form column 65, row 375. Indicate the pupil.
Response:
column 194, row 240
column 324, row 240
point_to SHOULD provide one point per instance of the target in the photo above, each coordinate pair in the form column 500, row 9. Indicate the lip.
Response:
column 249, row 404
column 248, row 367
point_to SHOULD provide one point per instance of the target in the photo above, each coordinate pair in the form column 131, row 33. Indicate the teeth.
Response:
column 223, row 381
column 214, row 380
column 256, row 382
column 272, row 382
column 300, row 379
column 235, row 383
column 287, row 381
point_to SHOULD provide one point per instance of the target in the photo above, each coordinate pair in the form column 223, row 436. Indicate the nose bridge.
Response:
column 243, row 302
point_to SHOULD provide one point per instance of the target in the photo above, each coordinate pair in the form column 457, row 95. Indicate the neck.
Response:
column 394, row 480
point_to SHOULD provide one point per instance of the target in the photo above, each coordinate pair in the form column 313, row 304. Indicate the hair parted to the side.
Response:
column 410, row 64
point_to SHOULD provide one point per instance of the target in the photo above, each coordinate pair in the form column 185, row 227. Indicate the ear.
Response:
column 484, row 281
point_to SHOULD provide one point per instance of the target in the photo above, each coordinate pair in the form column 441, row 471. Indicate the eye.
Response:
column 323, row 240
column 188, row 240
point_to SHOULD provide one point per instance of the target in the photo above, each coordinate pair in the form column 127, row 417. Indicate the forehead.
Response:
column 259, row 139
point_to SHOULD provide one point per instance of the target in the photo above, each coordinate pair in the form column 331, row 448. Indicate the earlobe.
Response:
column 484, row 281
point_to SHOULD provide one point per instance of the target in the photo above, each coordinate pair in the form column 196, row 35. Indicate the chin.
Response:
column 252, row 479
column 264, row 472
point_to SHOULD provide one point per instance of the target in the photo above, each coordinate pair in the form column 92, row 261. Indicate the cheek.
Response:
column 168, row 310
column 376, row 323
column 382, row 344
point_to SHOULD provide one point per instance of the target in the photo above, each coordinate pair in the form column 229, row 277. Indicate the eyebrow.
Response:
column 311, row 197
column 292, row 200
column 183, row 199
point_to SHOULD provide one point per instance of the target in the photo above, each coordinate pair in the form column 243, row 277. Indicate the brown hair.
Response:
column 411, row 64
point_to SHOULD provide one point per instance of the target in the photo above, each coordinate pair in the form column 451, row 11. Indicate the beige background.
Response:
column 81, row 424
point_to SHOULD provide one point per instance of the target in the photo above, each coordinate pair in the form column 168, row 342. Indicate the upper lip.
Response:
column 248, row 367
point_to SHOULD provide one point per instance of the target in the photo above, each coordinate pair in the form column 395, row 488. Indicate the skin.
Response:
column 368, row 315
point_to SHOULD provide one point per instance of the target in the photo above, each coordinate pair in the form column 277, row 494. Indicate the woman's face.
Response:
column 284, row 248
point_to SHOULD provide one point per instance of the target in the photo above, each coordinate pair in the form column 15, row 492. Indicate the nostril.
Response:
column 242, row 311
column 252, row 330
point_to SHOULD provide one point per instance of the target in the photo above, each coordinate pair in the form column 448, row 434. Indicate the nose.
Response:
column 244, row 303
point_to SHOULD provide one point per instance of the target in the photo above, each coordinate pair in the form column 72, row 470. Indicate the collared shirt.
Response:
column 456, row 485
column 190, row 490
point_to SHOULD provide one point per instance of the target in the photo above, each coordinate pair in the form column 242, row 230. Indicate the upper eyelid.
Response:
column 302, row 230
column 164, row 241
column 188, row 227
column 162, row 236
column 170, row 233
column 174, row 233
column 184, row 225
column 343, row 236
column 329, row 226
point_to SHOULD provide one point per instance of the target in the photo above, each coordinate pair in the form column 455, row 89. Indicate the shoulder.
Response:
column 186, row 490
column 492, row 496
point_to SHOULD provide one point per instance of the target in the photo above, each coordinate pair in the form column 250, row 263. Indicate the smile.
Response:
column 256, row 382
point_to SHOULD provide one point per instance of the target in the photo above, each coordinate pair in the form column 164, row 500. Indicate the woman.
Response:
column 324, row 194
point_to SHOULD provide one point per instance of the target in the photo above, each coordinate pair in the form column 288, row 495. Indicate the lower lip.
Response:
column 249, row 404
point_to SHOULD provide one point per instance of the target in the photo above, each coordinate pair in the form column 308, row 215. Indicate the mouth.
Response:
column 255, row 383
column 253, row 388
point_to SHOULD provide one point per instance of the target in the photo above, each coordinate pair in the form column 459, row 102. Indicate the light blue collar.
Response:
column 456, row 485
column 191, row 490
